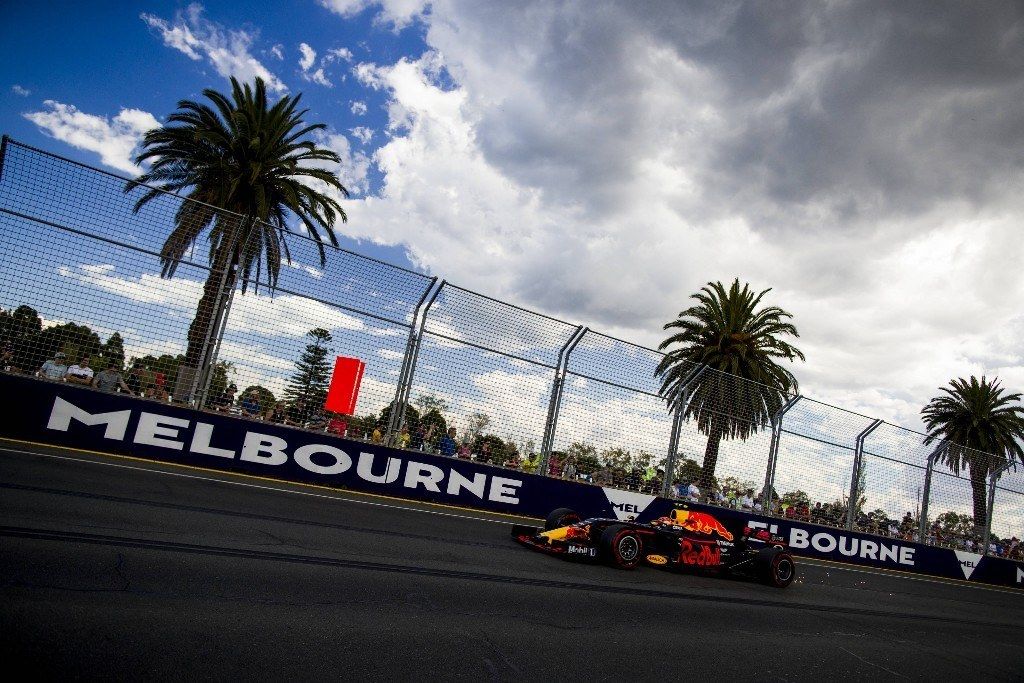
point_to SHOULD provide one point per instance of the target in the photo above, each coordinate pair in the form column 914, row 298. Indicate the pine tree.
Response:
column 312, row 371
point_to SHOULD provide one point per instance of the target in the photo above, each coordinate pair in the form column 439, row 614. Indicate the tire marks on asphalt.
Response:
column 608, row 589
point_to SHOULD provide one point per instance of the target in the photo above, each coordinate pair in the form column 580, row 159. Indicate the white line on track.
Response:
column 261, row 487
column 819, row 563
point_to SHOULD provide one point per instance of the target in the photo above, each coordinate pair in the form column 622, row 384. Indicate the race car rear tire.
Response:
column 775, row 567
column 561, row 517
column 621, row 546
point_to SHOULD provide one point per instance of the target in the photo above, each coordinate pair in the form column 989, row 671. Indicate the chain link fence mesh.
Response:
column 82, row 275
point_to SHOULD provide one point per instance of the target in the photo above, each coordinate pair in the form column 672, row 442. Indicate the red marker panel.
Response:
column 344, row 390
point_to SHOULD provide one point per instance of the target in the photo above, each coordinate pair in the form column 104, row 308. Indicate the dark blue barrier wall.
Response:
column 59, row 414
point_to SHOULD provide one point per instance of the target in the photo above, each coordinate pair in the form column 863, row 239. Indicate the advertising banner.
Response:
column 77, row 417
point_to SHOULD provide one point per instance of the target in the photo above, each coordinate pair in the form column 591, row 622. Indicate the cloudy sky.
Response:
column 599, row 162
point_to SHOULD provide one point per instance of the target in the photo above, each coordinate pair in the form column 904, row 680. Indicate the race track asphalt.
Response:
column 114, row 568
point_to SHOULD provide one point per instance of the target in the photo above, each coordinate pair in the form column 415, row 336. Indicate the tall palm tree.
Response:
column 739, row 343
column 984, row 429
column 254, row 159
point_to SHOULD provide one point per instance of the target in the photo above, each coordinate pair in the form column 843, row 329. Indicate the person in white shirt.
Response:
column 747, row 502
column 80, row 373
column 692, row 492
column 54, row 369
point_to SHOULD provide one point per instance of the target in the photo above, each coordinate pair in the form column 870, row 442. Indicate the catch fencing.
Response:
column 84, row 273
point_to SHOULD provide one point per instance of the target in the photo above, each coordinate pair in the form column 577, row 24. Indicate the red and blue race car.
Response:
column 685, row 539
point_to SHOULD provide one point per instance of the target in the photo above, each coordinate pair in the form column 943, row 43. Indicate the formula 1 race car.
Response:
column 686, row 539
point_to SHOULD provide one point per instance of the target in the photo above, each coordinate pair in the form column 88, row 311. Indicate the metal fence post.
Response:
column 415, row 357
column 215, row 352
column 922, row 522
column 397, row 404
column 858, row 458
column 204, row 354
column 678, row 417
column 992, row 479
column 773, row 453
column 220, row 323
column 555, row 404
column 3, row 154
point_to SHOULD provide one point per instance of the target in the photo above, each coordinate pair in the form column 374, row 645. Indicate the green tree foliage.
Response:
column 265, row 396
column 220, row 377
column 728, row 332
column 360, row 426
column 428, row 402
column 74, row 340
column 643, row 460
column 585, row 457
column 497, row 448
column 476, row 425
column 434, row 418
column 312, row 371
column 737, row 485
column 984, row 428
column 254, row 158
column 412, row 417
column 20, row 330
column 688, row 470
column 795, row 498
column 616, row 458
column 113, row 352
column 21, row 323
column 955, row 523
column 165, row 364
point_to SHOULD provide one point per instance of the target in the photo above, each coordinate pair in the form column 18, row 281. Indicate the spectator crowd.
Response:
column 140, row 381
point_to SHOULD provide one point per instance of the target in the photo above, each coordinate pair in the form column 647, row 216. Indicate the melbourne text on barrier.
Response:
column 175, row 433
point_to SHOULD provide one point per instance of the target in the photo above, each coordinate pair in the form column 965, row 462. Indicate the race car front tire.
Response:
column 561, row 517
column 621, row 546
column 775, row 567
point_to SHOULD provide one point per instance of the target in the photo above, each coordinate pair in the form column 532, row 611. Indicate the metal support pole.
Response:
column 555, row 404
column 215, row 352
column 3, row 154
column 678, row 417
column 403, row 373
column 220, row 319
column 922, row 522
column 992, row 479
column 773, row 453
column 204, row 353
column 858, row 458
column 404, row 397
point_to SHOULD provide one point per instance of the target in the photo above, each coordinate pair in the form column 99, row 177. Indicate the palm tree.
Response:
column 253, row 159
column 739, row 343
column 983, row 429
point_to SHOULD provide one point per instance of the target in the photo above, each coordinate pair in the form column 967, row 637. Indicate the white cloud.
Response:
column 342, row 53
column 228, row 51
column 363, row 134
column 18, row 90
column 306, row 62
column 308, row 57
column 352, row 170
column 278, row 51
column 113, row 139
column 358, row 108
column 396, row 13
column 606, row 175
column 317, row 77
column 283, row 315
